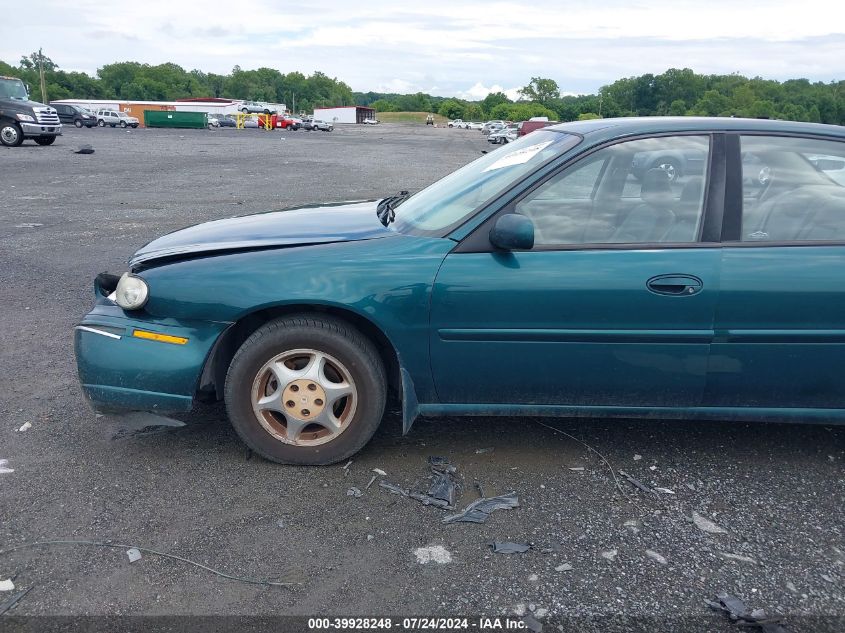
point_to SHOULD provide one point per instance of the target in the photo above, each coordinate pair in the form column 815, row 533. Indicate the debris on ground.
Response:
column 443, row 491
column 28, row 225
column 12, row 600
column 743, row 616
column 633, row 525
column 665, row 491
column 444, row 486
column 533, row 578
column 433, row 554
column 480, row 509
column 532, row 624
column 508, row 547
column 84, row 149
column 706, row 525
column 370, row 483
column 379, row 471
column 348, row 464
column 7, row 585
column 146, row 550
column 134, row 554
column 737, row 557
column 656, row 557
column 589, row 448
column 637, row 457
column 564, row 567
column 577, row 469
column 4, row 467
column 635, row 482
column 141, row 424
column 354, row 492
column 479, row 488
column 25, row 427
column 610, row 554
column 481, row 451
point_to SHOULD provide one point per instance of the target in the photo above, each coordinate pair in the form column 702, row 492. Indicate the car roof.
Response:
column 603, row 129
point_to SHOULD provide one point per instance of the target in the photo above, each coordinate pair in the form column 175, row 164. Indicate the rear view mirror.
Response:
column 512, row 232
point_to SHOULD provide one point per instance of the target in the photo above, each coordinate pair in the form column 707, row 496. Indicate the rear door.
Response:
column 613, row 306
column 780, row 322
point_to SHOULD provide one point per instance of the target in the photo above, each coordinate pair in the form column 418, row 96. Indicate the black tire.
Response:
column 11, row 134
column 325, row 334
column 245, row 110
column 78, row 123
column 123, row 124
column 101, row 123
column 45, row 140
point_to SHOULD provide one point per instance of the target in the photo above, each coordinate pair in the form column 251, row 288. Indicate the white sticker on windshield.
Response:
column 519, row 157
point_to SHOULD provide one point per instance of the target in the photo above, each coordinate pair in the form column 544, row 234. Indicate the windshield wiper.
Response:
column 386, row 209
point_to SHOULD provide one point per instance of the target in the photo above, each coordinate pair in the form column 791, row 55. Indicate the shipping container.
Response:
column 198, row 120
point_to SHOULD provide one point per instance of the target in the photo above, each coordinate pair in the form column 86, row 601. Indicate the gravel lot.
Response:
column 776, row 489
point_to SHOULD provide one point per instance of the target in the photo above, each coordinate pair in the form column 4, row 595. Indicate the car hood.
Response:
column 319, row 224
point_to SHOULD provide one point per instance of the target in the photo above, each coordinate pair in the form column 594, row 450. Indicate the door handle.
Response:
column 675, row 285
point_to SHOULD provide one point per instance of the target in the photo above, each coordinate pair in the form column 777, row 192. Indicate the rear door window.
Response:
column 793, row 189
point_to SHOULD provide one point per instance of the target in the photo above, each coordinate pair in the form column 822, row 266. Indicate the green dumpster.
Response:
column 170, row 118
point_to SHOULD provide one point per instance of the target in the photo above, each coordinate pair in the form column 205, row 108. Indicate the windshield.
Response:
column 13, row 89
column 448, row 202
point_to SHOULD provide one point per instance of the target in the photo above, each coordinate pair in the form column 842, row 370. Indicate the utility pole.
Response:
column 41, row 75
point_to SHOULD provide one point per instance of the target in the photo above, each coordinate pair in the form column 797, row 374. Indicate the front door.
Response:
column 780, row 321
column 613, row 306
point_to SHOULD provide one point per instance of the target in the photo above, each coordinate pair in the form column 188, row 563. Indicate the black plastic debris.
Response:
column 444, row 486
column 480, row 509
column 354, row 492
column 636, row 482
column 443, row 491
column 508, row 547
column 12, row 600
column 84, row 149
column 743, row 616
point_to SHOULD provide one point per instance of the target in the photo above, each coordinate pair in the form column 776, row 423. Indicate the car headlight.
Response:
column 132, row 292
column 25, row 117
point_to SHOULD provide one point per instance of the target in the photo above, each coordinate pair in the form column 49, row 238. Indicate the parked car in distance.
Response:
column 75, row 115
column 429, row 119
column 256, row 107
column 213, row 121
column 227, row 121
column 108, row 117
column 492, row 126
column 474, row 125
column 307, row 123
column 526, row 127
column 503, row 135
column 371, row 121
column 456, row 123
column 287, row 122
column 712, row 297
column 127, row 121
column 319, row 124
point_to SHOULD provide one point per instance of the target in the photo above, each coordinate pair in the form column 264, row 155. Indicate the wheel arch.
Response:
column 213, row 378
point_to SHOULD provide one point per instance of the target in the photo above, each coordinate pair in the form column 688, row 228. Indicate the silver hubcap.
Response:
column 304, row 397
column 9, row 134
column 670, row 170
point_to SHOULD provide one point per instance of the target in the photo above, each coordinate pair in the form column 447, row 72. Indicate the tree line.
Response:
column 678, row 92
column 132, row 81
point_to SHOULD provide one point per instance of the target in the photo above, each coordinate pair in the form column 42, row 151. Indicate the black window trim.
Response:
column 478, row 241
column 732, row 232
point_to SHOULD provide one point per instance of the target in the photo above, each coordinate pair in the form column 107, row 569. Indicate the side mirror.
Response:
column 512, row 232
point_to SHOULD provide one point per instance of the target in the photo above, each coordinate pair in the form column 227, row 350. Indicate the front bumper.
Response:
column 120, row 372
column 37, row 129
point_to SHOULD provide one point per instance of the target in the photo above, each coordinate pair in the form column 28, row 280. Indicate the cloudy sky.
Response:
column 455, row 47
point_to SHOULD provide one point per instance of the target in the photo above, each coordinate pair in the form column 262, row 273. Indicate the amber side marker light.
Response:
column 161, row 338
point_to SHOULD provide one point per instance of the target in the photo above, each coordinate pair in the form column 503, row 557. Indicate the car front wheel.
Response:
column 11, row 134
column 306, row 390
column 77, row 123
column 101, row 123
